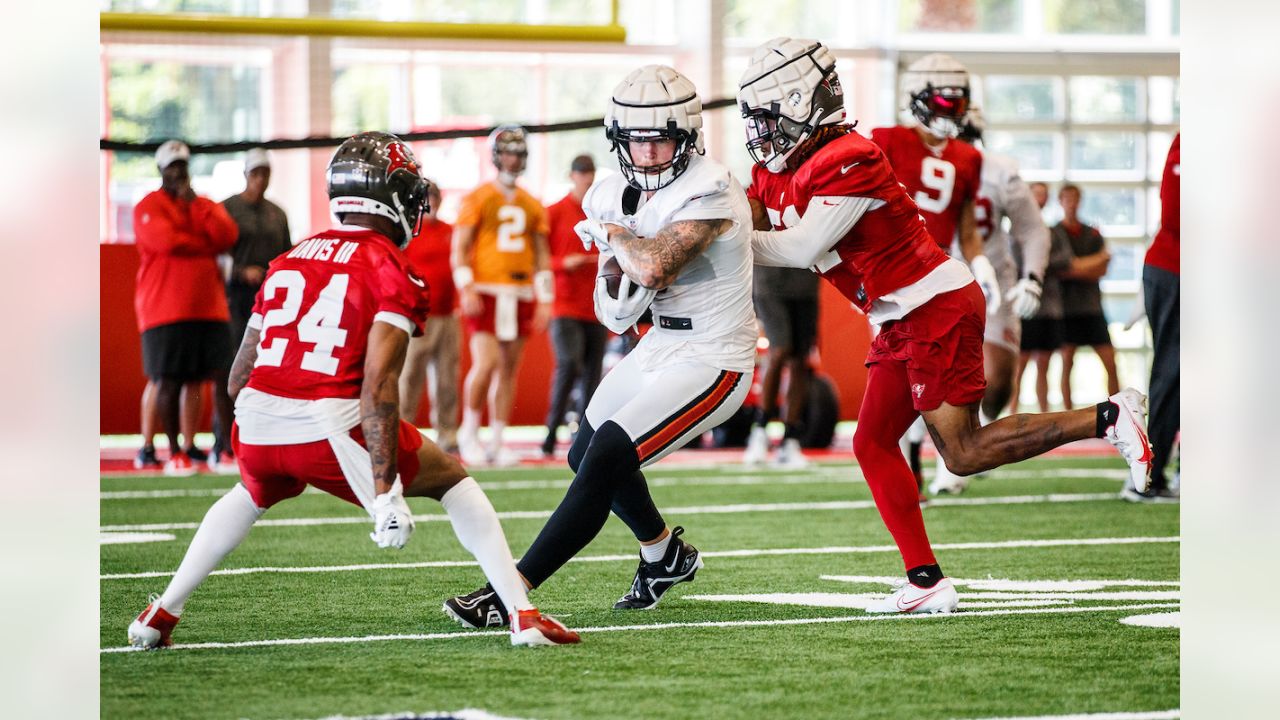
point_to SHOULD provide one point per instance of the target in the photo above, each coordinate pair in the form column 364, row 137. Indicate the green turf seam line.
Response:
column 731, row 509
column 723, row 624
column 745, row 553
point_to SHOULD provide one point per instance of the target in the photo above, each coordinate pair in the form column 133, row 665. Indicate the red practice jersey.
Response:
column 888, row 248
column 940, row 182
column 1166, row 250
column 428, row 256
column 317, row 304
column 770, row 190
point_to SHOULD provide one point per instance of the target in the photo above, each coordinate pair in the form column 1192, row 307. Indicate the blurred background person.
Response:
column 1161, row 286
column 264, row 235
column 1083, row 322
column 180, row 302
column 577, row 338
column 434, row 357
column 505, row 288
column 1040, row 193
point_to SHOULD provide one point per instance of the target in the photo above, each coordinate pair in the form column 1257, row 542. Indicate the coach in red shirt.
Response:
column 1161, row 283
column 576, row 336
column 434, row 357
column 180, row 301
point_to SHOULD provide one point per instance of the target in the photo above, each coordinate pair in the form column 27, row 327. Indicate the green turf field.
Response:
column 372, row 640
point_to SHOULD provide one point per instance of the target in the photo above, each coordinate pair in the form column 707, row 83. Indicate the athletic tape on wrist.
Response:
column 544, row 286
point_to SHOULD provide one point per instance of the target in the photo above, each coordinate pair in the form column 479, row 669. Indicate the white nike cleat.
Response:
column 945, row 481
column 757, row 447
column 790, row 456
column 909, row 598
column 1129, row 435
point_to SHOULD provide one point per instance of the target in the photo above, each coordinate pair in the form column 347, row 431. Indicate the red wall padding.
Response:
column 843, row 340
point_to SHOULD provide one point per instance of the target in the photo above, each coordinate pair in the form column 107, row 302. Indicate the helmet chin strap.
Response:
column 507, row 178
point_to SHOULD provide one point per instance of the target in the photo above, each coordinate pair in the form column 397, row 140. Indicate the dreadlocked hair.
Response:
column 818, row 140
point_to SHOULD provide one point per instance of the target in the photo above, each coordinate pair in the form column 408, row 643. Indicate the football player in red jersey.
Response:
column 316, row 388
column 942, row 177
column 848, row 219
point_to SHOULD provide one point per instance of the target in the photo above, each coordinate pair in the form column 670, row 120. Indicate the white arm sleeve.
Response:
column 825, row 222
column 1027, row 227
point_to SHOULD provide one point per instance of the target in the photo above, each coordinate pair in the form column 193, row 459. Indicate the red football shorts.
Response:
column 514, row 320
column 273, row 473
column 941, row 344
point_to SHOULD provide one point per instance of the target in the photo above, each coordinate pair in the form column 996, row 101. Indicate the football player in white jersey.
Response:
column 1003, row 194
column 677, row 224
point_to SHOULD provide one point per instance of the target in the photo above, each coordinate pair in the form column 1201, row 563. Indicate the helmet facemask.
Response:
column 789, row 91
column 941, row 110
column 510, row 139
column 650, row 178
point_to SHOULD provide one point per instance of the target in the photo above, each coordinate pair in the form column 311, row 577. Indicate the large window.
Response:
column 1109, row 135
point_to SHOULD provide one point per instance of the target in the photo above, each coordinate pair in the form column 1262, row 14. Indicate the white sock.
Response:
column 477, row 527
column 224, row 527
column 496, row 428
column 655, row 552
column 469, row 430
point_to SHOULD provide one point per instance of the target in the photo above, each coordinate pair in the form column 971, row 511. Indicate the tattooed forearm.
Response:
column 380, row 423
column 380, row 402
column 246, row 356
column 656, row 262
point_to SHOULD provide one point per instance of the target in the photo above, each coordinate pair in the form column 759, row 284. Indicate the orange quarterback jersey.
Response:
column 505, row 222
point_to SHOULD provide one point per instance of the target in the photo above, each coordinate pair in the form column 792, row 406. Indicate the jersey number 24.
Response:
column 320, row 326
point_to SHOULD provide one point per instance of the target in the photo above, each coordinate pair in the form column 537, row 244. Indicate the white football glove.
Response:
column 1024, row 297
column 985, row 274
column 621, row 314
column 591, row 233
column 392, row 521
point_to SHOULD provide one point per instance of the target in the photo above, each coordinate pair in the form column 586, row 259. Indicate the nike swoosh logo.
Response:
column 917, row 602
column 848, row 167
column 417, row 282
column 674, row 561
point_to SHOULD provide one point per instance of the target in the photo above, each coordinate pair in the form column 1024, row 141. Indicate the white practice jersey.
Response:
column 706, row 315
column 1004, row 195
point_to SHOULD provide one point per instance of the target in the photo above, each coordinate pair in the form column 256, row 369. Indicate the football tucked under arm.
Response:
column 619, row 301
column 656, row 262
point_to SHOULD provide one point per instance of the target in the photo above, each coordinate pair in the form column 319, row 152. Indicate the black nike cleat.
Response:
column 653, row 580
column 480, row 609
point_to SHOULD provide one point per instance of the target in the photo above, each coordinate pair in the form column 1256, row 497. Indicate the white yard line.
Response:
column 743, row 553
column 839, row 476
column 688, row 510
column 1141, row 715
column 651, row 627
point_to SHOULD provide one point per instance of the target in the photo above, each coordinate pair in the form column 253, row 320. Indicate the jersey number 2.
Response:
column 511, row 228
column 319, row 326
column 938, row 175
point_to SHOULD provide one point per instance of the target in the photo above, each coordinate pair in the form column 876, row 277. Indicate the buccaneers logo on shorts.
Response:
column 917, row 389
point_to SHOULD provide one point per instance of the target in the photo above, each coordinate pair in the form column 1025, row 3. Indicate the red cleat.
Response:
column 530, row 627
column 153, row 628
column 179, row 465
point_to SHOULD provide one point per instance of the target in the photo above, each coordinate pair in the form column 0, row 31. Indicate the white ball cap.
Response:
column 256, row 158
column 652, row 95
column 170, row 152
